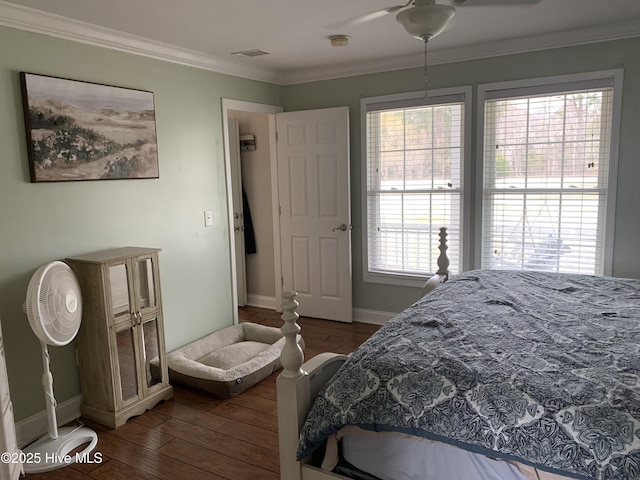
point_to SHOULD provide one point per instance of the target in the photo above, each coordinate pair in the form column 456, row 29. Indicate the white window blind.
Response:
column 546, row 177
column 414, row 162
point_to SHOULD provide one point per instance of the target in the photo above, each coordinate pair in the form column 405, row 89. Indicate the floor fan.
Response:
column 54, row 309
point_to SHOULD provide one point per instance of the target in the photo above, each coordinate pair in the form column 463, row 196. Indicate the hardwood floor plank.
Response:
column 265, row 389
column 219, row 465
column 66, row 473
column 211, row 421
column 151, row 419
column 198, row 436
column 151, row 462
column 245, row 415
column 142, row 435
column 195, row 398
column 114, row 470
column 88, row 467
column 263, row 405
column 256, row 455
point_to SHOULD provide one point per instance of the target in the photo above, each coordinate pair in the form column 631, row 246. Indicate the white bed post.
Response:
column 442, row 275
column 292, row 383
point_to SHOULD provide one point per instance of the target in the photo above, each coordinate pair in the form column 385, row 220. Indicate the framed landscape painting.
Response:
column 87, row 131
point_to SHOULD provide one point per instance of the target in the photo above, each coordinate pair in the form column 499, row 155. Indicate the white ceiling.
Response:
column 295, row 33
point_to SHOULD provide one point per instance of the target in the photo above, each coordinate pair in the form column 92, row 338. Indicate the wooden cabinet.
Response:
column 10, row 467
column 121, row 334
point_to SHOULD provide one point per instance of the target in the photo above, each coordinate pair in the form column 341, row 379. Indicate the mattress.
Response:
column 403, row 457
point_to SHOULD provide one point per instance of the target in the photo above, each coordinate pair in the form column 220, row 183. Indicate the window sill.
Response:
column 395, row 279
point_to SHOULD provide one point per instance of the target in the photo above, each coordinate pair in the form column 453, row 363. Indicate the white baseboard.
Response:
column 35, row 426
column 374, row 317
column 261, row 301
column 361, row 315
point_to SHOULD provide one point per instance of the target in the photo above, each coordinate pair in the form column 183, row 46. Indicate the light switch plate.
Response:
column 208, row 218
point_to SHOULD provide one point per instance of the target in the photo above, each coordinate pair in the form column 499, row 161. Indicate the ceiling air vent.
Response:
column 250, row 53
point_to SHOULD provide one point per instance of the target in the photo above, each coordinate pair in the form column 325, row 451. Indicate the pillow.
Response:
column 233, row 355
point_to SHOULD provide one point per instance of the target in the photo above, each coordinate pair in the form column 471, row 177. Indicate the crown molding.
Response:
column 36, row 21
column 569, row 38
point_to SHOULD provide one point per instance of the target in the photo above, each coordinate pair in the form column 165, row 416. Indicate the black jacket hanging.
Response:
column 249, row 234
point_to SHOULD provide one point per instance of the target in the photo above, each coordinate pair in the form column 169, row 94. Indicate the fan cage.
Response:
column 54, row 304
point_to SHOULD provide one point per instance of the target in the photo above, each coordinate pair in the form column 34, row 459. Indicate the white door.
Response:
column 238, row 214
column 315, row 217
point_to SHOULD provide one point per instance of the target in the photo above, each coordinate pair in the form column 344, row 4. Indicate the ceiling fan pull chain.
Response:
column 426, row 68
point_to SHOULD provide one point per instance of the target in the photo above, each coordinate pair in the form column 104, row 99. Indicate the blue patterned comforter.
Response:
column 536, row 367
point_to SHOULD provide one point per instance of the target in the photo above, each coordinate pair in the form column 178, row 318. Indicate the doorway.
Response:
column 258, row 271
column 300, row 184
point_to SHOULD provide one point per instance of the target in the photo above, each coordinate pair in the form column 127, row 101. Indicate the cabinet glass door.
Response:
column 125, row 343
column 151, row 350
column 145, row 284
column 119, row 283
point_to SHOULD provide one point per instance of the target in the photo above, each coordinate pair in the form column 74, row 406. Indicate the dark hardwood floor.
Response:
column 198, row 436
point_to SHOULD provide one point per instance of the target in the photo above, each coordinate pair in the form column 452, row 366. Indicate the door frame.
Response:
column 231, row 104
column 237, row 199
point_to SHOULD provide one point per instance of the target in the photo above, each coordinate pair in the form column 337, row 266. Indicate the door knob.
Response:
column 343, row 228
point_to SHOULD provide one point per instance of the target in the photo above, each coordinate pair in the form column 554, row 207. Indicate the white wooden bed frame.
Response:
column 299, row 383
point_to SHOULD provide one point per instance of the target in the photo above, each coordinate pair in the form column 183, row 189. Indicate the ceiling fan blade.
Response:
column 486, row 3
column 367, row 17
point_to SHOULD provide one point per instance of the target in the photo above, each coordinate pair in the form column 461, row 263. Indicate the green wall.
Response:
column 48, row 221
column 602, row 56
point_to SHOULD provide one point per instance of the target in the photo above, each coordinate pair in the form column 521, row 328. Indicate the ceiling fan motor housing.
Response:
column 425, row 21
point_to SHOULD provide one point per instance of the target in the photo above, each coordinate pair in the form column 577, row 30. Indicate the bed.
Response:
column 492, row 375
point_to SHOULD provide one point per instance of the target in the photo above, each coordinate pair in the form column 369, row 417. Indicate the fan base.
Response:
column 48, row 453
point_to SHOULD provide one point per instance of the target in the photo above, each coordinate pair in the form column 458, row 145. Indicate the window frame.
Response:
column 553, row 84
column 401, row 100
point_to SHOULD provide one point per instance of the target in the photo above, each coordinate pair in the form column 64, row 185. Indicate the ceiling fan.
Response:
column 424, row 19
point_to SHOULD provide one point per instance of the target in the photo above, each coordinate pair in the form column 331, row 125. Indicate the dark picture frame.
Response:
column 87, row 131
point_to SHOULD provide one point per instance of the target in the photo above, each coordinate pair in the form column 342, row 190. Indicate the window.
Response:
column 415, row 151
column 549, row 179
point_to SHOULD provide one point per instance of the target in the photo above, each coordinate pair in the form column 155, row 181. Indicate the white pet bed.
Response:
column 229, row 361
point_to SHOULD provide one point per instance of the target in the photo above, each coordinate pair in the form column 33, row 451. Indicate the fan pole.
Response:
column 55, row 449
column 47, row 386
